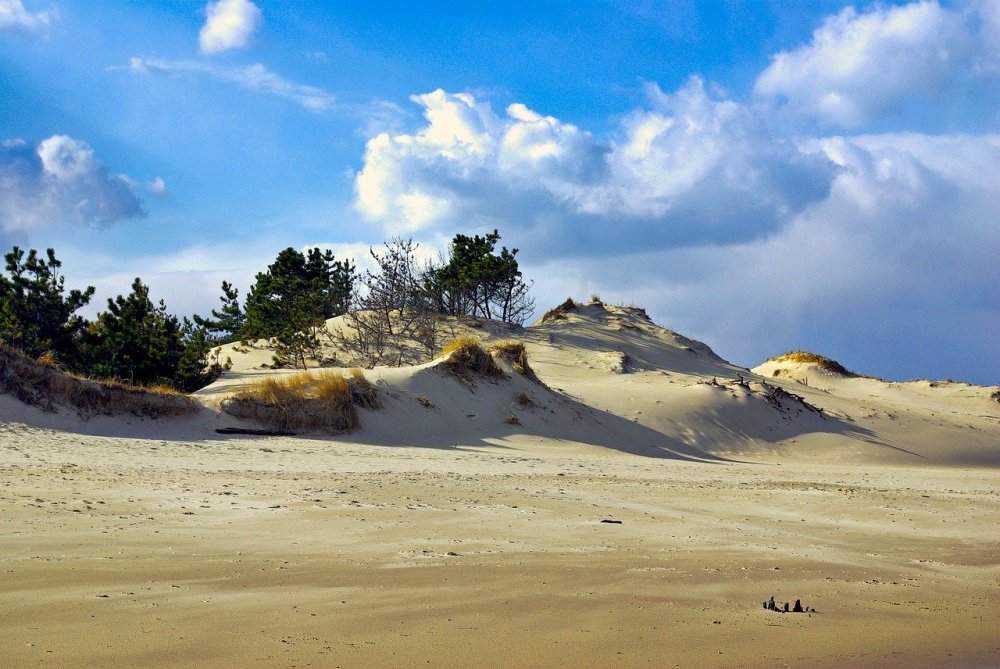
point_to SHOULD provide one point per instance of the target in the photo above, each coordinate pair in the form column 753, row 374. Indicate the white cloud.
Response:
column 252, row 77
column 894, row 273
column 13, row 16
column 862, row 66
column 157, row 187
column 59, row 180
column 689, row 170
column 230, row 24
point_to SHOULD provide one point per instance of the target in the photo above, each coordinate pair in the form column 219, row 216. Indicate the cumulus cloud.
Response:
column 894, row 273
column 60, row 180
column 690, row 169
column 253, row 77
column 13, row 16
column 230, row 25
column 862, row 66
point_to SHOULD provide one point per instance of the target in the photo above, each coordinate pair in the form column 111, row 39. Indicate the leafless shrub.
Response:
column 389, row 321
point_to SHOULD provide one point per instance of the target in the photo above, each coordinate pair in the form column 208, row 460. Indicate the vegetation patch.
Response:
column 465, row 358
column 515, row 354
column 306, row 401
column 44, row 385
column 559, row 313
column 826, row 364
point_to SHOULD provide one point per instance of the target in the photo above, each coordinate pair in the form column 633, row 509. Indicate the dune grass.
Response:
column 559, row 312
column 515, row 354
column 824, row 363
column 40, row 383
column 466, row 358
column 324, row 400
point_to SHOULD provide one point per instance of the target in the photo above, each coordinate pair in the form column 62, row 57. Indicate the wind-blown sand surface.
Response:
column 445, row 536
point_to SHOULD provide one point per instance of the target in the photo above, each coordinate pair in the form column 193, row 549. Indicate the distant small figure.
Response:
column 798, row 607
column 786, row 607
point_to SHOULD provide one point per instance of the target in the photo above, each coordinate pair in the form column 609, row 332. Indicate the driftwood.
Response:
column 771, row 605
column 259, row 433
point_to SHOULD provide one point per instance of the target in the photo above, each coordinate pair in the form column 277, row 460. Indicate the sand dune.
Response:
column 461, row 525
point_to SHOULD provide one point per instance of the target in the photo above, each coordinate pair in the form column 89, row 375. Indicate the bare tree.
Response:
column 390, row 320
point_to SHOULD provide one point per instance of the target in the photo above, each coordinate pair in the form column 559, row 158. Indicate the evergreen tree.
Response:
column 196, row 367
column 296, row 292
column 291, row 301
column 477, row 282
column 36, row 314
column 135, row 341
column 229, row 321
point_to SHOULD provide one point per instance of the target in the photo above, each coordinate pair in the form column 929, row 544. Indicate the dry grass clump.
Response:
column 636, row 311
column 42, row 384
column 306, row 401
column 515, row 354
column 466, row 359
column 824, row 363
column 523, row 399
column 559, row 313
column 995, row 396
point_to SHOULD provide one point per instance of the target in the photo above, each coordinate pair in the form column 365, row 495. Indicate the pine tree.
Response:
column 229, row 321
column 477, row 282
column 298, row 290
column 36, row 314
column 197, row 366
column 135, row 341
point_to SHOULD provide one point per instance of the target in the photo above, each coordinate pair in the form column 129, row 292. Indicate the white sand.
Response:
column 446, row 536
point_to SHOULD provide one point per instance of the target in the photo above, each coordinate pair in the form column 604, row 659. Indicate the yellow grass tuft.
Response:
column 824, row 363
column 465, row 358
column 515, row 354
column 42, row 384
column 306, row 401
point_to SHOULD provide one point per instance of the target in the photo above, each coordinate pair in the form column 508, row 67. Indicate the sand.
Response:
column 446, row 536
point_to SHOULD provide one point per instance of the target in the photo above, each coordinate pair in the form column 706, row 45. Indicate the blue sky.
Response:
column 764, row 176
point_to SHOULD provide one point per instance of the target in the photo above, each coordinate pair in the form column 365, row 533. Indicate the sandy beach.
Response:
column 474, row 542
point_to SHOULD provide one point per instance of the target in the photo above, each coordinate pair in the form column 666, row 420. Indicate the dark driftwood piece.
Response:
column 771, row 605
column 259, row 433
